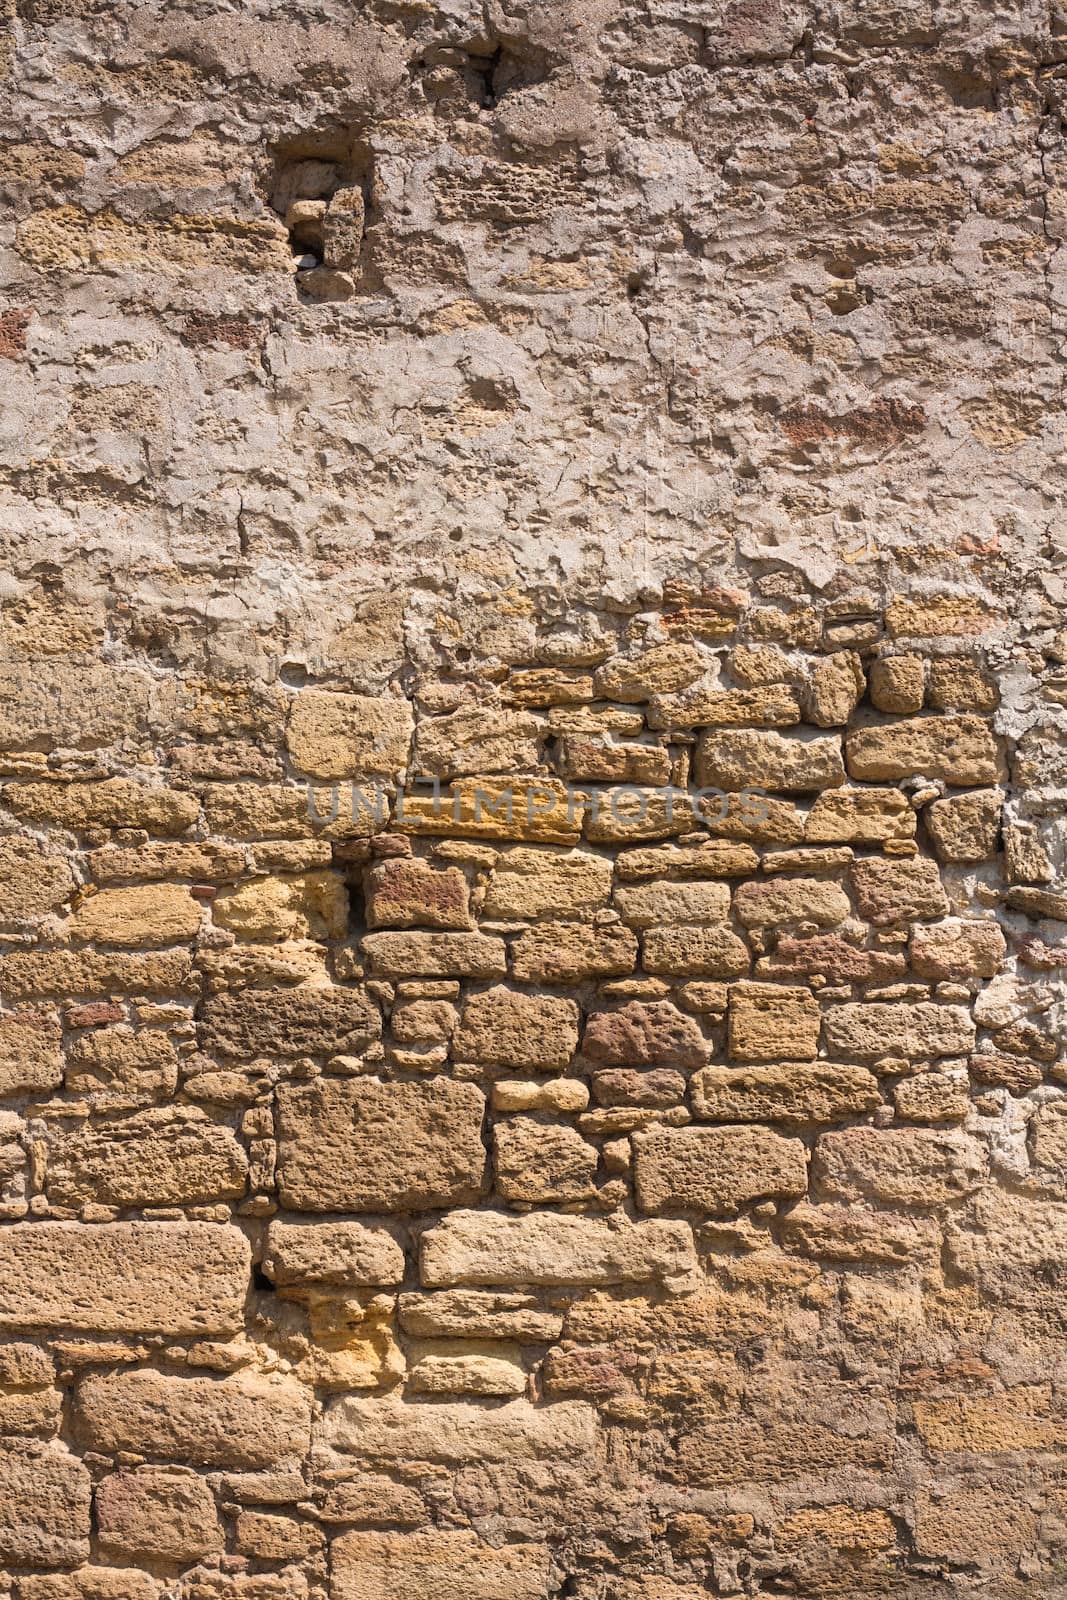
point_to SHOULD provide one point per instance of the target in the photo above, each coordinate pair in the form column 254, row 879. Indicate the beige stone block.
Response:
column 554, row 1249
column 767, row 706
column 898, row 683
column 835, row 689
column 528, row 884
column 479, row 1314
column 175, row 1278
column 644, row 905
column 117, row 1069
column 71, row 704
column 362, row 1145
column 344, row 1253
column 462, row 1370
column 515, row 810
column 933, row 1097
column 570, row 952
column 477, row 739
column 267, row 1537
column 694, row 952
column 558, row 1095
column 92, row 1583
column 202, row 861
column 966, row 827
column 663, row 669
column 30, row 974
column 32, row 883
column 717, row 1170
column 789, row 1091
column 755, row 759
column 313, row 1019
column 507, row 1028
column 957, row 750
column 158, row 1157
column 627, row 815
column 31, row 1061
column 437, row 1564
column 780, row 902
column 392, row 1429
column 924, row 1167
column 108, row 803
column 157, row 1514
column 548, row 686
column 313, row 905
column 767, row 1022
column 881, row 1030
column 891, row 892
column 852, row 1234
column 540, row 1162
column 988, row 1424
column 244, row 1420
column 595, row 761
column 957, row 949
column 957, row 683
column 715, row 858
column 44, row 1506
column 148, row 915
column 860, row 816
column 333, row 736
column 435, row 955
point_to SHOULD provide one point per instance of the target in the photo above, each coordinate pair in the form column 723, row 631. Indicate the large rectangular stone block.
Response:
column 313, row 1019
column 436, row 1564
column 176, row 1278
column 553, row 1249
column 391, row 1428
column 44, row 1506
column 245, row 1420
column 362, row 1145
column 716, row 1169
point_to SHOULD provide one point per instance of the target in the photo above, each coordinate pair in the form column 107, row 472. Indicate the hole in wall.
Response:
column 320, row 187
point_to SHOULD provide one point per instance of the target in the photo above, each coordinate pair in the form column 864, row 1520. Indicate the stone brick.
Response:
column 835, row 689
column 343, row 1254
column 313, row 905
column 73, row 705
column 968, row 1525
column 362, row 1145
column 554, row 1249
column 310, row 1020
column 557, row 1096
column 644, row 1033
column 44, row 1506
column 715, row 858
column 507, row 1028
column 790, row 1091
column 783, row 901
column 595, row 761
column 986, row 1424
column 1035, row 903
column 958, row 684
column 437, row 1564
column 30, row 1058
column 898, row 683
column 694, row 952
column 860, row 816
column 643, row 905
column 542, row 1162
column 851, row 1234
column 878, row 1031
column 175, row 1278
column 891, row 892
column 495, row 1371
column 201, row 860
column 548, row 686
column 245, row 1420
column 922, row 1167
column 631, row 816
column 754, row 818
column 157, row 1514
column 275, row 1538
column 956, row 949
column 965, row 828
column 756, row 759
column 108, row 803
column 767, row 1022
column 117, row 1069
column 662, row 670
column 411, row 893
column 830, row 956
column 958, row 750
column 333, row 736
column 435, row 955
column 32, row 883
column 568, row 952
column 146, row 916
column 92, row 1583
column 479, row 1314
column 528, row 884
column 655, row 1089
column 717, row 1170
column 158, row 1157
column 768, row 706
column 516, row 810
column 933, row 1097
column 31, row 974
column 387, row 1429
column 477, row 739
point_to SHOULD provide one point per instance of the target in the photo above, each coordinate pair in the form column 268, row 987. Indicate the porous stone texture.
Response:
column 533, row 776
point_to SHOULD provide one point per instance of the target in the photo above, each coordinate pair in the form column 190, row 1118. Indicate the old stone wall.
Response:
column 533, row 751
